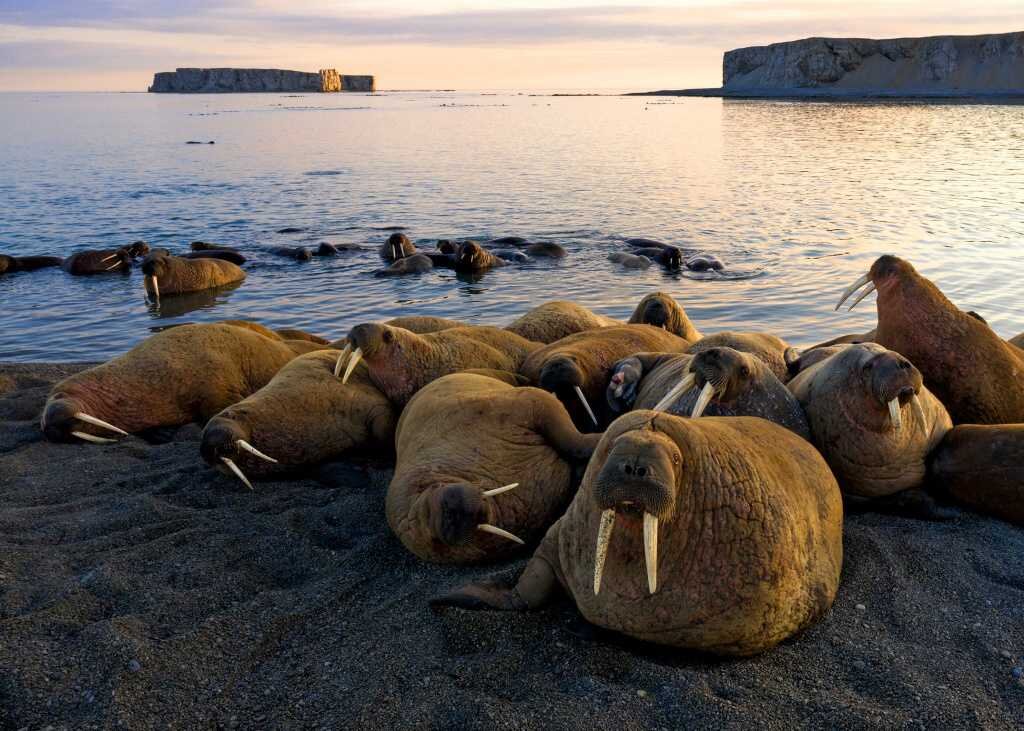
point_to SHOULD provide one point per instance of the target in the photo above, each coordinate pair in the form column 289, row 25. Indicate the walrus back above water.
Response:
column 555, row 320
column 27, row 263
column 169, row 275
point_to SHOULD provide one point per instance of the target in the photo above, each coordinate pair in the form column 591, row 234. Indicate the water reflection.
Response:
column 181, row 304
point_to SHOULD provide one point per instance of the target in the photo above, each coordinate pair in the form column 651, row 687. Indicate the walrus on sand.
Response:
column 975, row 373
column 169, row 275
column 303, row 416
column 555, row 320
column 660, row 309
column 10, row 264
column 500, row 475
column 402, row 362
column 577, row 368
column 398, row 246
column 772, row 350
column 872, row 418
column 183, row 374
column 738, row 523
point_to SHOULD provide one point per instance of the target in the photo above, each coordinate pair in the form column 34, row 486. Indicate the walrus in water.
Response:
column 715, row 382
column 974, row 372
column 402, row 362
column 472, row 257
column 545, row 250
column 772, row 350
column 704, row 263
column 303, row 416
column 670, row 257
column 872, row 418
column 500, row 476
column 982, row 466
column 169, row 275
column 661, row 310
column 397, row 246
column 206, row 246
column 298, row 253
column 738, row 523
column 577, row 368
column 629, row 261
column 100, row 261
column 10, row 264
column 1017, row 341
column 555, row 320
column 412, row 264
column 235, row 257
column 183, row 374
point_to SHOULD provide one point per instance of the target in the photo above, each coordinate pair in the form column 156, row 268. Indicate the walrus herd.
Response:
column 682, row 488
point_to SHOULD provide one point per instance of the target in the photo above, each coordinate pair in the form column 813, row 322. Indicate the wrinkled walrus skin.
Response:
column 660, row 309
column 493, row 435
column 772, row 350
column 555, row 320
column 183, row 374
column 846, row 401
column 749, row 536
column 175, row 275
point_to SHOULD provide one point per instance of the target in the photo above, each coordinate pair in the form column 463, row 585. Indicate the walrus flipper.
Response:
column 553, row 422
column 535, row 586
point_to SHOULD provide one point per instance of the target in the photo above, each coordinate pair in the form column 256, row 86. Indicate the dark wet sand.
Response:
column 140, row 589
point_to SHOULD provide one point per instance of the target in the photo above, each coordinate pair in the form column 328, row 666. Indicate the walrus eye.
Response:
column 745, row 371
column 388, row 336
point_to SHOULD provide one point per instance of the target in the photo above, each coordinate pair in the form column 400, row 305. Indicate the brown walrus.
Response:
column 425, row 323
column 303, row 416
column 872, row 418
column 1017, row 341
column 629, row 261
column 472, row 257
column 555, row 320
column 398, row 246
column 714, row 382
column 94, row 261
column 982, row 466
column 661, row 310
column 737, row 521
column 402, row 362
column 415, row 263
column 975, row 373
column 27, row 263
column 577, row 368
column 772, row 350
column 183, row 374
column 170, row 275
column 501, row 474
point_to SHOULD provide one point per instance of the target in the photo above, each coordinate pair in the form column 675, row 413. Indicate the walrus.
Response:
column 546, row 249
column 412, row 264
column 1017, row 341
column 720, row 534
column 642, row 243
column 771, row 349
column 472, row 257
column 555, row 320
column 290, row 333
column 447, row 246
column 513, row 256
column 303, row 416
column 717, row 381
column 278, row 334
column 176, row 376
column 421, row 324
column 704, row 263
column 235, row 257
column 577, row 368
column 397, row 247
column 98, row 262
column 660, row 309
column 402, row 362
column 872, row 418
column 170, row 275
column 10, row 264
column 499, row 477
column 975, row 373
column 982, row 466
column 670, row 257
column 298, row 253
column 509, row 241
column 629, row 261
column 206, row 246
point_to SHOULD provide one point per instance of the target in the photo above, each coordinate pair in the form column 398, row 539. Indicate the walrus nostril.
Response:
column 628, row 469
column 641, row 471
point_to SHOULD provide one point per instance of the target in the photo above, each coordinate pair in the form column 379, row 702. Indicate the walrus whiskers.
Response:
column 604, row 537
column 495, row 530
column 81, row 416
column 861, row 281
column 342, row 359
column 91, row 438
column 894, row 414
column 915, row 404
column 870, row 288
column 651, row 550
column 357, row 354
column 706, row 394
column 579, row 392
column 499, row 490
column 241, row 443
column 238, row 473
column 684, row 385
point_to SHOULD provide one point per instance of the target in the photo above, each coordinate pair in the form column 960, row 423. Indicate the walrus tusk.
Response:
column 684, row 385
column 706, row 394
column 894, row 414
column 115, row 265
column 99, row 422
column 357, row 354
column 604, row 537
column 495, row 530
column 499, row 490
column 342, row 359
column 91, row 438
column 238, row 473
column 870, row 288
column 579, row 392
column 252, row 450
column 105, row 259
column 155, row 286
column 651, row 550
column 861, row 281
column 915, row 404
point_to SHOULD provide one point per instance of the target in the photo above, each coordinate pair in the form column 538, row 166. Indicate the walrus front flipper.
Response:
column 553, row 422
column 536, row 585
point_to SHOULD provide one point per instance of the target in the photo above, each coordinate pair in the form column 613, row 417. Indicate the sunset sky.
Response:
column 472, row 44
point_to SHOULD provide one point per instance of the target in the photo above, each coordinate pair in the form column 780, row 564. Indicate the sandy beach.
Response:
column 141, row 589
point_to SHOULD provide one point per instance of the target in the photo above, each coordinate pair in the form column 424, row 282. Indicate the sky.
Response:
column 99, row 45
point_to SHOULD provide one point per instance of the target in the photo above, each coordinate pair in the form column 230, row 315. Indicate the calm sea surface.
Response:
column 796, row 198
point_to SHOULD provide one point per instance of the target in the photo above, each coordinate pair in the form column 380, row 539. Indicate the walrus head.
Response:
column 154, row 267
column 672, row 257
column 891, row 381
column 447, row 247
column 456, row 512
column 470, row 255
column 639, row 479
column 660, row 309
column 369, row 340
column 886, row 275
column 137, row 249
column 65, row 419
column 397, row 247
column 622, row 387
column 725, row 370
column 224, row 444
column 564, row 377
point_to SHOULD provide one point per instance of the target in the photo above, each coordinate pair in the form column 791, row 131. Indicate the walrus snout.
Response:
column 455, row 511
column 724, row 368
column 639, row 476
column 893, row 377
column 369, row 337
column 220, row 439
column 137, row 249
column 673, row 257
column 58, row 419
column 655, row 313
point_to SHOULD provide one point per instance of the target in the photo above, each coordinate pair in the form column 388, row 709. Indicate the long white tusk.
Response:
column 238, row 473
column 684, row 385
column 352, row 363
column 706, row 394
column 579, row 392
column 105, row 259
column 91, row 438
column 115, row 265
column 499, row 490
column 342, row 359
column 495, row 530
column 604, row 537
column 155, row 286
column 99, row 422
column 861, row 281
column 894, row 414
column 651, row 550
column 868, row 290
column 252, row 450
column 915, row 404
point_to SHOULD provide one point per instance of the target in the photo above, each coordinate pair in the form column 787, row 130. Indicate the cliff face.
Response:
column 941, row 65
column 211, row 81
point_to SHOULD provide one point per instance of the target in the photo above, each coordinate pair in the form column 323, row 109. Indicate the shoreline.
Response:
column 835, row 95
